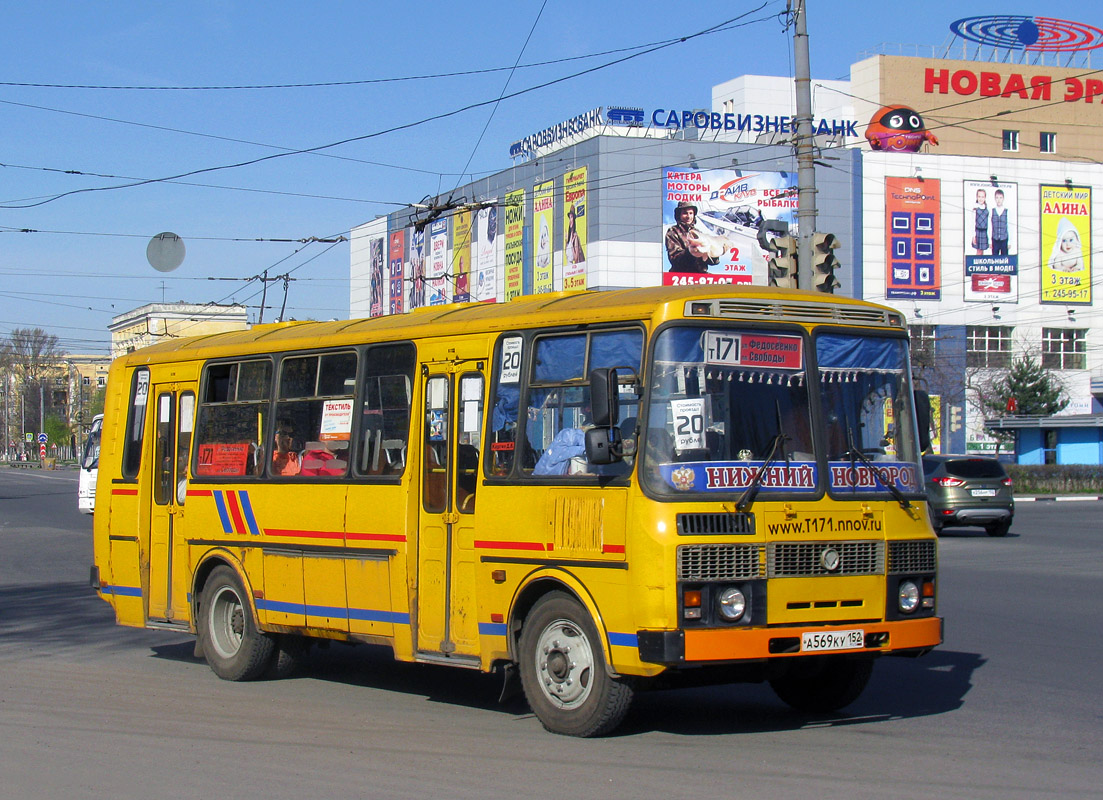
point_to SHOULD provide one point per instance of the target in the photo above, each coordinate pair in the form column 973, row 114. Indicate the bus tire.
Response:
column 998, row 528
column 563, row 671
column 823, row 684
column 233, row 646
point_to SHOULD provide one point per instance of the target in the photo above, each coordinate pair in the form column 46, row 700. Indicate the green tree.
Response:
column 1034, row 390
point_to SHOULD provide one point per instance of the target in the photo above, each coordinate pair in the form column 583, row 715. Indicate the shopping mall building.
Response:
column 969, row 208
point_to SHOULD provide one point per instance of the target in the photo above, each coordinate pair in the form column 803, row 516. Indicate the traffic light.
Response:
column 782, row 263
column 955, row 418
column 824, row 262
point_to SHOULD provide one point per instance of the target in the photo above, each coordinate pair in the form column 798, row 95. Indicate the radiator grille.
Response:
column 720, row 562
column 804, row 559
column 916, row 556
column 811, row 312
column 738, row 524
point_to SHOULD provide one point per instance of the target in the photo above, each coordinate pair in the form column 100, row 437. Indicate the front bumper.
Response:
column 702, row 647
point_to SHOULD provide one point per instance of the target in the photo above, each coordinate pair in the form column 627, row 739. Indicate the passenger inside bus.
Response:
column 285, row 456
column 322, row 458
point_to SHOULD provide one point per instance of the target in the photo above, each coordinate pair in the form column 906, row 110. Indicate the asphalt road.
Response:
column 1008, row 707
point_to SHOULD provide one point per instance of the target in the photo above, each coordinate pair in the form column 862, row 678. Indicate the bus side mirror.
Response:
column 604, row 402
column 603, row 445
column 923, row 419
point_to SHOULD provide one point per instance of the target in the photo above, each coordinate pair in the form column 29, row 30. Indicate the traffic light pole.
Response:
column 806, row 168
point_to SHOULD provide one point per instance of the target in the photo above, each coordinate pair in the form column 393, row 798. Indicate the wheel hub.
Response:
column 564, row 661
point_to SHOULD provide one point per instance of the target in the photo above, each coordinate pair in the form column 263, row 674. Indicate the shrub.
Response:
column 1056, row 478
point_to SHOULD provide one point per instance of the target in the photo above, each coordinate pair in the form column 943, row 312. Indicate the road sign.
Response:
column 42, row 451
column 43, row 438
column 28, row 436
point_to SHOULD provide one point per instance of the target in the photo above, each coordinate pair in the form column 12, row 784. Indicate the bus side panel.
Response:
column 378, row 519
column 115, row 530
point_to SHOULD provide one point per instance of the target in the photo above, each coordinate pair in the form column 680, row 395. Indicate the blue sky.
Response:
column 85, row 261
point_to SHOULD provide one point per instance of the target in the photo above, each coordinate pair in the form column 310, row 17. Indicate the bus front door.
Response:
column 447, row 611
column 172, row 449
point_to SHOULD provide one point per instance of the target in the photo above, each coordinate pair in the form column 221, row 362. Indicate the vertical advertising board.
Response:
column 417, row 270
column 395, row 263
column 575, row 234
column 437, row 283
column 543, row 223
column 912, row 225
column 711, row 220
column 486, row 281
column 1066, row 244
column 461, row 256
column 375, row 259
column 515, row 243
column 991, row 241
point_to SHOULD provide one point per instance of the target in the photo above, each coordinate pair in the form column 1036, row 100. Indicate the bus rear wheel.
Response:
column 822, row 684
column 563, row 670
column 233, row 646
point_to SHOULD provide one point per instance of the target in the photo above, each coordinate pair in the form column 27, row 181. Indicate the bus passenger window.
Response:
column 502, row 438
column 315, row 402
column 229, row 430
column 385, row 412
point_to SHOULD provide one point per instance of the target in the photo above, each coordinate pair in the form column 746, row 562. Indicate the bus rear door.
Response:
column 172, row 448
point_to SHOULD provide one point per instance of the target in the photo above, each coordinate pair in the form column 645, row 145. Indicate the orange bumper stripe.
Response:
column 741, row 643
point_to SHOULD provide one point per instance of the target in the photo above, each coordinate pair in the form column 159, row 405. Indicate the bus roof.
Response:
column 558, row 308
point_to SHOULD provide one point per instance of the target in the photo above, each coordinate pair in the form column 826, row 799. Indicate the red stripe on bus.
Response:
column 124, row 491
column 377, row 537
column 612, row 548
column 304, row 534
column 200, row 493
column 509, row 545
column 235, row 512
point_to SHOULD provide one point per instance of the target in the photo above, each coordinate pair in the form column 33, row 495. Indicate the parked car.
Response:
column 968, row 490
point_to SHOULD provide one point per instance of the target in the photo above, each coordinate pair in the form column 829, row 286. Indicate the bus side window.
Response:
column 229, row 430
column 501, row 440
column 316, row 400
column 386, row 395
column 135, row 423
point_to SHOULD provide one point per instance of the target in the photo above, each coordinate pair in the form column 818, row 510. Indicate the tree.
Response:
column 29, row 353
column 1033, row 390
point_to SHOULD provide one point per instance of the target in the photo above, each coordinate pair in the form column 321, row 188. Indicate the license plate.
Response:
column 832, row 640
column 983, row 492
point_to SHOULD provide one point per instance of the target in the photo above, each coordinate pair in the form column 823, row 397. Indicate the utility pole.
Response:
column 806, row 168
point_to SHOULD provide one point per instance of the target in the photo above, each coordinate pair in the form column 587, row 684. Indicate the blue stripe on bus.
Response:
column 362, row 614
column 623, row 639
column 492, row 629
column 223, row 514
column 247, row 509
column 125, row 591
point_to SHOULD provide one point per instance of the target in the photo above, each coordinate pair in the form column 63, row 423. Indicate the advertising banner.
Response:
column 543, row 223
column 912, row 225
column 417, row 270
column 515, row 242
column 486, row 283
column 575, row 236
column 461, row 256
column 375, row 257
column 437, row 283
column 1066, row 244
column 991, row 241
column 711, row 220
column 395, row 272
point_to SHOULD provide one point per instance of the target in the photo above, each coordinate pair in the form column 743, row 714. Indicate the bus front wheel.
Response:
column 231, row 643
column 822, row 684
column 563, row 670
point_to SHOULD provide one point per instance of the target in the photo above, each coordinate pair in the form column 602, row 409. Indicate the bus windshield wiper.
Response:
column 856, row 454
column 747, row 498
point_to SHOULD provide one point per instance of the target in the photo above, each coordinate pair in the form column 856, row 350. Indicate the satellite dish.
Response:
column 165, row 252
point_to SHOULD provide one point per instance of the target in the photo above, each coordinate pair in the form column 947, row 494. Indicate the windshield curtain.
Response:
column 723, row 403
column 868, row 413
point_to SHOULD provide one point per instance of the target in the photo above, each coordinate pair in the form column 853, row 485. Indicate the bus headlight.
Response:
column 908, row 596
column 732, row 604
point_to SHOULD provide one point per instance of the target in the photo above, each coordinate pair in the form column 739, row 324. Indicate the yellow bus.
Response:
column 596, row 492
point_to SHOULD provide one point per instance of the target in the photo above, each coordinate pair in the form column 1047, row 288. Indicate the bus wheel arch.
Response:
column 226, row 625
column 563, row 662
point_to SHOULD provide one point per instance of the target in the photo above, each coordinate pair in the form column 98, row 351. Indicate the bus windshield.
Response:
column 731, row 408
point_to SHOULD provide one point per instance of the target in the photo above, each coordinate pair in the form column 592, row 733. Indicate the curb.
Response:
column 1072, row 498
